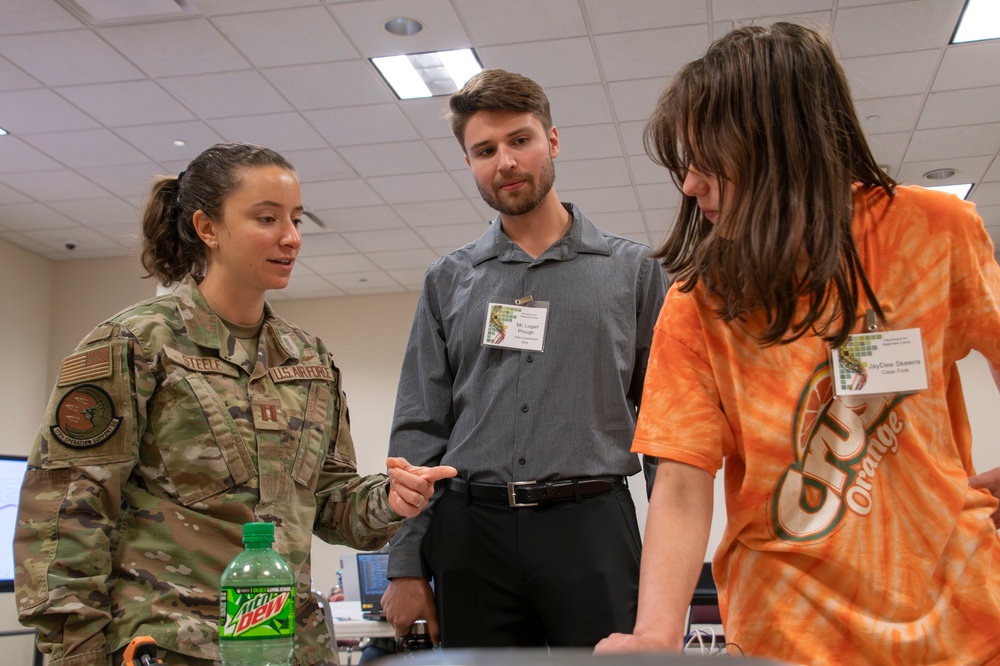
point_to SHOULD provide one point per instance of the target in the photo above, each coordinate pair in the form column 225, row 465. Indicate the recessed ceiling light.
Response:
column 180, row 142
column 428, row 74
column 980, row 20
column 940, row 174
column 402, row 26
column 3, row 132
column 961, row 190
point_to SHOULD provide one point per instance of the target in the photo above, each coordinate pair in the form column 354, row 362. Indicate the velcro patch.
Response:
column 85, row 417
column 290, row 373
column 267, row 414
column 201, row 363
column 91, row 364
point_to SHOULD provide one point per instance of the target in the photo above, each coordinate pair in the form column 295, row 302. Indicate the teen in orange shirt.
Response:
column 854, row 533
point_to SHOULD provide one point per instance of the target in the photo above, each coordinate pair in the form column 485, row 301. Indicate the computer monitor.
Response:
column 12, row 470
column 372, row 583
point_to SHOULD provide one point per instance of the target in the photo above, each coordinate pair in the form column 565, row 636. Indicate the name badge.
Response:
column 880, row 362
column 519, row 327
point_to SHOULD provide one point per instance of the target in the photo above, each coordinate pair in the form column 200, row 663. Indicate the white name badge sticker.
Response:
column 880, row 362
column 516, row 326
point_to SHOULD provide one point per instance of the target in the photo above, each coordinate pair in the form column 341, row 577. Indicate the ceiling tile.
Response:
column 583, row 174
column 325, row 244
column 962, row 66
column 66, row 58
column 157, row 141
column 416, row 187
column 388, row 159
column 319, row 164
column 99, row 212
column 399, row 259
column 655, row 195
column 622, row 222
column 744, row 10
column 27, row 111
column 362, row 218
column 10, row 196
column 33, row 217
column 632, row 137
column 431, row 213
column 381, row 123
column 12, row 78
column 918, row 24
column 973, row 106
column 381, row 240
column 347, row 193
column 227, row 94
column 429, row 116
column 635, row 100
column 650, row 53
column 126, row 103
column 602, row 199
column 85, row 239
column 450, row 235
column 954, row 142
column 890, row 114
column 558, row 62
column 450, row 153
column 85, row 148
column 889, row 148
column 645, row 171
column 590, row 142
column 993, row 173
column 222, row 7
column 891, row 75
column 278, row 131
column 287, row 37
column 22, row 16
column 364, row 282
column 126, row 180
column 53, row 185
column 18, row 239
column 363, row 22
column 340, row 263
column 175, row 48
column 969, row 170
column 616, row 16
column 330, row 84
column 579, row 105
column 987, row 194
column 521, row 20
column 16, row 155
column 411, row 278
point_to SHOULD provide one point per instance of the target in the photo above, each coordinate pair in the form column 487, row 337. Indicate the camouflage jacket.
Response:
column 160, row 440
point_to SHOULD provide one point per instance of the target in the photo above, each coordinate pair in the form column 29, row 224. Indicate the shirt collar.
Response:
column 583, row 237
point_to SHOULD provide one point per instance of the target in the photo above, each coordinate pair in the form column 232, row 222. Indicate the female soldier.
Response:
column 854, row 534
column 182, row 418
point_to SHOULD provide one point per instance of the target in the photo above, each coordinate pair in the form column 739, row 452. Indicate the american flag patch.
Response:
column 93, row 364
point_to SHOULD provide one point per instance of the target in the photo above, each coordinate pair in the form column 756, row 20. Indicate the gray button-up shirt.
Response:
column 509, row 415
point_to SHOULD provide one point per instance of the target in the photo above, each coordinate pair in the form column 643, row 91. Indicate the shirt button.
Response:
column 529, row 358
column 524, row 407
column 521, row 461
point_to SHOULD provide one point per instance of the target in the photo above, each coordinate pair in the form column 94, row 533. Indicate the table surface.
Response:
column 348, row 622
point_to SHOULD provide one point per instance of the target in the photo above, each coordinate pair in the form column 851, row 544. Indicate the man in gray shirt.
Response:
column 524, row 370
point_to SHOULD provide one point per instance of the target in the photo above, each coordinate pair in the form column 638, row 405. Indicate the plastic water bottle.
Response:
column 257, row 604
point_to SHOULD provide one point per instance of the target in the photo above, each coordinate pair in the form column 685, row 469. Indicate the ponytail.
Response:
column 170, row 247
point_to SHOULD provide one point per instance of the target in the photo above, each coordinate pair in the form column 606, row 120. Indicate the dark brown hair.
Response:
column 768, row 111
column 171, row 249
column 497, row 90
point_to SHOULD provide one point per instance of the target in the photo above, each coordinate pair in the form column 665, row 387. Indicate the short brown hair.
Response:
column 768, row 111
column 497, row 90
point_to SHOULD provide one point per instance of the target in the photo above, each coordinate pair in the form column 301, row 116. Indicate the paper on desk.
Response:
column 346, row 610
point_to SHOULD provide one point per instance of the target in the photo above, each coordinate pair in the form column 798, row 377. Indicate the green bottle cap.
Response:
column 258, row 532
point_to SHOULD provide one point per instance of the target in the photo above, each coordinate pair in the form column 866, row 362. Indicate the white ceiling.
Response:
column 93, row 112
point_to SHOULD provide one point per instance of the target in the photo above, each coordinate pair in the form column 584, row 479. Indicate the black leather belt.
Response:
column 532, row 493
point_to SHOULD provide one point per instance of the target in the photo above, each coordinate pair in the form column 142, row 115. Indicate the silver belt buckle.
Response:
column 512, row 500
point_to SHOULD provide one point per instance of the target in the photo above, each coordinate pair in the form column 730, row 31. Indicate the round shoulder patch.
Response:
column 85, row 417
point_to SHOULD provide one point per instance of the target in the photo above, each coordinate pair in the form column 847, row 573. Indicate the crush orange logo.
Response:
column 838, row 447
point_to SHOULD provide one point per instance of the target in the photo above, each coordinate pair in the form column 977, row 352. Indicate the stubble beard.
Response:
column 524, row 200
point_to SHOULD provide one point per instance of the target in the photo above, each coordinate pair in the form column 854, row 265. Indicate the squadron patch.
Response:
column 85, row 417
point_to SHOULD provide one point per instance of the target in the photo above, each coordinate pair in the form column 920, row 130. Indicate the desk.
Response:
column 348, row 622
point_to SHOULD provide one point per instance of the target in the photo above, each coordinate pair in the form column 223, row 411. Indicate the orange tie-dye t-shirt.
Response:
column 852, row 535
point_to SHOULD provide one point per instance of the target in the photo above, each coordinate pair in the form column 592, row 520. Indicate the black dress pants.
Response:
column 562, row 574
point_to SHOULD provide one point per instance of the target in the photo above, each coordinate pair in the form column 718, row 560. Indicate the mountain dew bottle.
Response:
column 257, row 604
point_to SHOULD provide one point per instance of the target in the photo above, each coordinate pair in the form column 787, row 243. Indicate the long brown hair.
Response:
column 768, row 111
column 170, row 246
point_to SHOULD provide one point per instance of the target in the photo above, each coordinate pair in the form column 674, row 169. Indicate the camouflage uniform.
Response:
column 160, row 440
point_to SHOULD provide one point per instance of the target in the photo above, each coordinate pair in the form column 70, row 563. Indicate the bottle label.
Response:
column 257, row 612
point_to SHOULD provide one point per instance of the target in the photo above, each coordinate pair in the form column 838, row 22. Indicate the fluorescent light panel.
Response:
column 980, row 20
column 428, row 74
column 961, row 190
